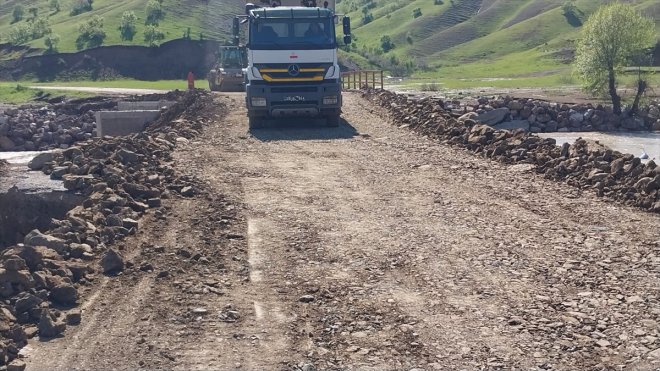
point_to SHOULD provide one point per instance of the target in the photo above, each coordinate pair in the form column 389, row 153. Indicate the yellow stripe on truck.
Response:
column 292, row 79
column 278, row 70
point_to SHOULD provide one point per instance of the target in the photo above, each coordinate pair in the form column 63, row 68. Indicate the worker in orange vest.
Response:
column 191, row 81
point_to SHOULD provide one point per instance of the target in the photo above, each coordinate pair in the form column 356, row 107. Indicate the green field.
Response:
column 126, row 84
column 457, row 42
column 12, row 93
column 466, row 42
column 211, row 18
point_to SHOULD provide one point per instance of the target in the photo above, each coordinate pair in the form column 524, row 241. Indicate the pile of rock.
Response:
column 122, row 179
column 40, row 129
column 610, row 173
column 540, row 116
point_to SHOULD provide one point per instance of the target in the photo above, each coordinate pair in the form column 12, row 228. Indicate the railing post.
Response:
column 381, row 80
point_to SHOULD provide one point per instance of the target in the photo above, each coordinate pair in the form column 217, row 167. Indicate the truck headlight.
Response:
column 258, row 102
column 330, row 99
column 256, row 73
column 331, row 72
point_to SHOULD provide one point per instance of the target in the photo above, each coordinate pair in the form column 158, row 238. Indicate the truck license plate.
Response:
column 294, row 98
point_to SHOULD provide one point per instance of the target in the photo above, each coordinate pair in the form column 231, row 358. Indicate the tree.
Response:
column 18, row 13
column 127, row 26
column 153, row 35
column 51, row 42
column 39, row 27
column 34, row 12
column 19, row 34
column 54, row 5
column 81, row 6
column 154, row 10
column 610, row 38
column 386, row 43
column 91, row 33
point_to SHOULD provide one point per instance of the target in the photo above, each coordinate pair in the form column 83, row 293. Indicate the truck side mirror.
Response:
column 347, row 39
column 235, row 31
column 346, row 22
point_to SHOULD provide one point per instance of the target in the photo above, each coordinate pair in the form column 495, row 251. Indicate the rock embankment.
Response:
column 609, row 173
column 540, row 116
column 122, row 179
column 60, row 125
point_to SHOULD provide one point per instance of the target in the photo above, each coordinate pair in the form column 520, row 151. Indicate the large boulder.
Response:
column 493, row 117
column 64, row 294
column 49, row 325
column 6, row 144
column 40, row 160
column 36, row 238
column 112, row 262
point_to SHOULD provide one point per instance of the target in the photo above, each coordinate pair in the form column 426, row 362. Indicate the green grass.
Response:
column 127, row 84
column 211, row 18
column 12, row 93
column 520, row 40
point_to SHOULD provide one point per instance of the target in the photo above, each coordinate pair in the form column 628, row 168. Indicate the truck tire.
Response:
column 333, row 121
column 255, row 122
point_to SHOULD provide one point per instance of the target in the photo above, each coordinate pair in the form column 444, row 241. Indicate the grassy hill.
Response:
column 212, row 18
column 460, row 40
column 522, row 41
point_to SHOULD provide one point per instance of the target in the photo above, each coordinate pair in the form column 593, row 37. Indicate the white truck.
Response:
column 292, row 65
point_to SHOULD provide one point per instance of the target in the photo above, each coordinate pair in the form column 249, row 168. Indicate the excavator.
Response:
column 227, row 73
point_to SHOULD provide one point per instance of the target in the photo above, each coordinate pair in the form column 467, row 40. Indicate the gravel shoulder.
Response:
column 369, row 247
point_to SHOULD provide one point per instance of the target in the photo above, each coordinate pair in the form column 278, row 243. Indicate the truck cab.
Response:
column 292, row 66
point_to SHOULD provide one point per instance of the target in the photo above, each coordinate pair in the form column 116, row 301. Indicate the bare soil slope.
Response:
column 368, row 247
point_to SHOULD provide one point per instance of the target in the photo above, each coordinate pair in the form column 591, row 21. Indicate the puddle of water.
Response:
column 18, row 158
column 633, row 143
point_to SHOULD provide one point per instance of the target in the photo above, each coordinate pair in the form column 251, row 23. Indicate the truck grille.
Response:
column 305, row 72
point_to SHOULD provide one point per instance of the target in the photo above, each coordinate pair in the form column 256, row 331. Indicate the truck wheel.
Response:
column 333, row 121
column 255, row 122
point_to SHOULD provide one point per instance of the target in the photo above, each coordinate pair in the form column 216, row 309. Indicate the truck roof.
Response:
column 291, row 12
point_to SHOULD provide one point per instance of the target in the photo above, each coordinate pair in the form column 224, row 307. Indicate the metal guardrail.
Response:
column 365, row 79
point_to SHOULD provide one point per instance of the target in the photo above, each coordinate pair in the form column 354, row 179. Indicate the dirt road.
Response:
column 368, row 247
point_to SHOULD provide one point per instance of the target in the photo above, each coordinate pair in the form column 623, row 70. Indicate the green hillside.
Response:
column 211, row 18
column 522, row 41
column 527, row 41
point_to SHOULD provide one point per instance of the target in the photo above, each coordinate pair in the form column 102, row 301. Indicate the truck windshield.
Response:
column 306, row 33
column 231, row 58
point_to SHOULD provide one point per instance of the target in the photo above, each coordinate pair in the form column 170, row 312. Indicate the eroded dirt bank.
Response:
column 370, row 247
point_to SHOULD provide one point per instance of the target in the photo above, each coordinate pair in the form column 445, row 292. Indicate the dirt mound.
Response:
column 622, row 177
column 121, row 178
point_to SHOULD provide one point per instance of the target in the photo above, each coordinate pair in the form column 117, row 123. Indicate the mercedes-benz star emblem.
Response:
column 294, row 70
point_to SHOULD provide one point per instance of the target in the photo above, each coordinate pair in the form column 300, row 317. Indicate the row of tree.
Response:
column 91, row 33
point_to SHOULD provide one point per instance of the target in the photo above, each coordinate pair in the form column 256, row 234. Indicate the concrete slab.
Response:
column 144, row 106
column 117, row 123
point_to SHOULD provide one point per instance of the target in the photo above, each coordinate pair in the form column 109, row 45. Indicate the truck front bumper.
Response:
column 323, row 99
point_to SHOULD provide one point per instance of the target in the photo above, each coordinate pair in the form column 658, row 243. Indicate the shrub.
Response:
column 54, row 5
column 19, row 34
column 153, row 35
column 81, row 6
column 417, row 12
column 127, row 25
column 40, row 27
column 386, row 43
column 154, row 10
column 51, row 42
column 91, row 33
